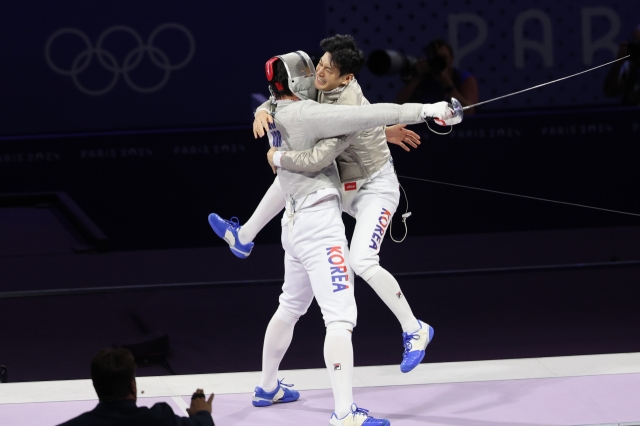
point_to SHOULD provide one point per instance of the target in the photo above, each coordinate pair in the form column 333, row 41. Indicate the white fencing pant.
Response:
column 317, row 263
column 373, row 207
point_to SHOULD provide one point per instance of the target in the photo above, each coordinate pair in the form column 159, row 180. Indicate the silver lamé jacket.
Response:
column 358, row 155
column 299, row 124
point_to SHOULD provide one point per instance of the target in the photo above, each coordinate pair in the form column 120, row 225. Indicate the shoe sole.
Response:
column 385, row 423
column 238, row 253
column 261, row 402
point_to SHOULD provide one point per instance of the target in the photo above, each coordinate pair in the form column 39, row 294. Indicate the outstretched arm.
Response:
column 324, row 121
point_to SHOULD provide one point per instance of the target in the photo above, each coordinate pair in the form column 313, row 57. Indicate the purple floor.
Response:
column 554, row 401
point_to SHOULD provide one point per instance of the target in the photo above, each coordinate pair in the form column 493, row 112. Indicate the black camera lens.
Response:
column 3, row 374
column 388, row 62
column 437, row 64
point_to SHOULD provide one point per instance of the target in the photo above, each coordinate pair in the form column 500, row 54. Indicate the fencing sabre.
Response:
column 458, row 114
column 458, row 110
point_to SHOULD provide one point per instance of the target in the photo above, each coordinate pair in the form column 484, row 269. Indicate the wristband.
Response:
column 277, row 157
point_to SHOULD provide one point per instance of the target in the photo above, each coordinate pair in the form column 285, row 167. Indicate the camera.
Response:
column 437, row 64
column 389, row 62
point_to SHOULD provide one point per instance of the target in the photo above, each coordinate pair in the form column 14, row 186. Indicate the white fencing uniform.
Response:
column 317, row 261
column 370, row 193
column 373, row 206
column 297, row 126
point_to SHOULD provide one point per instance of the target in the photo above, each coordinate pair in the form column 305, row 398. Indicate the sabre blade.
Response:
column 544, row 84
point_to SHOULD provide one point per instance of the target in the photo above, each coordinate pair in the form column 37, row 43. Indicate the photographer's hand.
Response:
column 199, row 403
column 422, row 67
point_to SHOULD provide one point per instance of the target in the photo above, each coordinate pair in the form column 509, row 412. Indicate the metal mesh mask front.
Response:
column 302, row 74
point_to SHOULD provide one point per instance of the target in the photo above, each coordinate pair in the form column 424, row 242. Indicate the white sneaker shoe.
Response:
column 357, row 417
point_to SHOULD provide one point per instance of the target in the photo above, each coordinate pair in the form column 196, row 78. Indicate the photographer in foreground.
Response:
column 435, row 79
column 113, row 376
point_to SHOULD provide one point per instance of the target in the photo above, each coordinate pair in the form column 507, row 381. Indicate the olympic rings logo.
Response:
column 131, row 61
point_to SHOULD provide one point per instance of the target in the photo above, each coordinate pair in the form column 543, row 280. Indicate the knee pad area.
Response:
column 361, row 261
column 287, row 316
column 339, row 325
column 368, row 272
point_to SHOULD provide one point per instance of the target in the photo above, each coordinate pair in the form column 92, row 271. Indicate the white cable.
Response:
column 438, row 133
column 405, row 215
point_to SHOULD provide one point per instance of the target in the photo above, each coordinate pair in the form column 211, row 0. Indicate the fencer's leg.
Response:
column 388, row 290
column 271, row 204
column 338, row 357
column 374, row 207
column 325, row 254
column 276, row 342
column 295, row 299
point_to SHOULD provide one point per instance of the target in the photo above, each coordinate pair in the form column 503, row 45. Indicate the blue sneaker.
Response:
column 228, row 231
column 280, row 394
column 357, row 417
column 414, row 345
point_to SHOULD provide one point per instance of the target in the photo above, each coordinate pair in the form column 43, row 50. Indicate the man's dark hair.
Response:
column 345, row 55
column 280, row 76
column 112, row 371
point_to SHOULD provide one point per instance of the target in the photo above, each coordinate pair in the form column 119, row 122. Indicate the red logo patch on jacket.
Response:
column 349, row 186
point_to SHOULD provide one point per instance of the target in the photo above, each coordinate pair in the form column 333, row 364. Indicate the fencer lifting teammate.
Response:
column 369, row 186
column 316, row 252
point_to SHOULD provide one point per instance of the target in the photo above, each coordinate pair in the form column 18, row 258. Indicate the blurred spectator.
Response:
column 435, row 79
column 113, row 377
column 624, row 76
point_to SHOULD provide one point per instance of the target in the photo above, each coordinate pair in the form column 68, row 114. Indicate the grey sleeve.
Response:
column 324, row 120
column 314, row 159
column 266, row 105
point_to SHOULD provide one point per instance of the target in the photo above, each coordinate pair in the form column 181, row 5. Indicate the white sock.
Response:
column 338, row 356
column 277, row 339
column 271, row 204
column 388, row 289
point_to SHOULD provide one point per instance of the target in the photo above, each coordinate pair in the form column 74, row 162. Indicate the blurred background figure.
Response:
column 624, row 77
column 429, row 79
